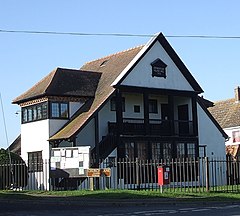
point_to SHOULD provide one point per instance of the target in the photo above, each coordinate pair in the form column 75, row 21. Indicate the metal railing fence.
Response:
column 185, row 175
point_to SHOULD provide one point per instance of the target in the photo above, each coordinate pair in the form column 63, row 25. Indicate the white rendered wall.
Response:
column 86, row 137
column 210, row 135
column 141, row 75
column 229, row 131
column 34, row 137
column 105, row 115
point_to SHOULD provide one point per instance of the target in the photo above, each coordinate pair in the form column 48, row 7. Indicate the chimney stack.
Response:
column 237, row 94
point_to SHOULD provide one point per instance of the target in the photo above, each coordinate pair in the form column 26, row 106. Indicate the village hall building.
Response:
column 139, row 103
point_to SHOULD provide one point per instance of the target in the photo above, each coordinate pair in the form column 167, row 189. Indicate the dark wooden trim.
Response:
column 96, row 130
column 171, row 112
column 194, row 116
column 119, row 111
column 136, row 89
column 146, row 111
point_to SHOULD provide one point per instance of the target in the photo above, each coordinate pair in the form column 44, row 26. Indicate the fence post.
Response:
column 207, row 174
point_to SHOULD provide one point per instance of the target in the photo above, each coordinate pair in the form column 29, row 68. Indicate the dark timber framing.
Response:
column 147, row 137
column 96, row 125
column 146, row 112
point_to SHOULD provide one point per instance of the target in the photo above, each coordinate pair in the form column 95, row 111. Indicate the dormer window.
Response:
column 103, row 63
column 158, row 68
column 59, row 110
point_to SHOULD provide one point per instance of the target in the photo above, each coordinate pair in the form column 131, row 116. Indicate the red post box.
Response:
column 163, row 175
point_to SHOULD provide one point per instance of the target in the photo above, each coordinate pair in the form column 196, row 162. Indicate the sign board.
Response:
column 97, row 172
column 93, row 172
column 158, row 68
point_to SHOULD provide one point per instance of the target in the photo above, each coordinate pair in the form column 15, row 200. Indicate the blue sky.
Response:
column 27, row 58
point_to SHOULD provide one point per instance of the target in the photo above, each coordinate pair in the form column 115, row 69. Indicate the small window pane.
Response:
column 153, row 106
column 113, row 104
column 142, row 151
column 24, row 115
column 44, row 111
column 55, row 110
column 34, row 113
column 64, row 110
column 167, row 151
column 191, row 150
column 156, row 151
column 30, row 115
column 136, row 108
column 129, row 150
column 39, row 112
column 180, row 150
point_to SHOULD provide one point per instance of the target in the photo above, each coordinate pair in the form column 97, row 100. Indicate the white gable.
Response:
column 141, row 75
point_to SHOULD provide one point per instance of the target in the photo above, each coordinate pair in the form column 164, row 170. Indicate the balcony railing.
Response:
column 159, row 127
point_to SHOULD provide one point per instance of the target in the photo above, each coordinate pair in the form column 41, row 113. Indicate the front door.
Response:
column 183, row 119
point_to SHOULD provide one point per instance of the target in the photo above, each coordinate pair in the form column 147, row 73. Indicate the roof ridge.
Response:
column 51, row 77
column 223, row 100
column 117, row 53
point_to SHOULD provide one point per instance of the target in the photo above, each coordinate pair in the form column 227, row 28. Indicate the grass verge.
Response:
column 120, row 195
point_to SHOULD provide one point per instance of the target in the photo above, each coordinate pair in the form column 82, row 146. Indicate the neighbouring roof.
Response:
column 110, row 67
column 15, row 147
column 205, row 104
column 226, row 112
column 63, row 82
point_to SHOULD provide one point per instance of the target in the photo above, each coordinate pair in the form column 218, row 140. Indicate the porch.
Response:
column 157, row 127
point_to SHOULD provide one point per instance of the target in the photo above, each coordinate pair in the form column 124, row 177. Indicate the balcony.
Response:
column 157, row 127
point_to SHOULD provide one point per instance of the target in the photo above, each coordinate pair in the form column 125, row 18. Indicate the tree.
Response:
column 13, row 173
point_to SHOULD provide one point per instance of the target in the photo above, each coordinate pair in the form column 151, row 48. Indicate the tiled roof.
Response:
column 15, row 147
column 63, row 82
column 110, row 67
column 226, row 112
column 205, row 104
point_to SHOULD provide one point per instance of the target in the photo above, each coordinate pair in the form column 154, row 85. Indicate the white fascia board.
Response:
column 135, row 59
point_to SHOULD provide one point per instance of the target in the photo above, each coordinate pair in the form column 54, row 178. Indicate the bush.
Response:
column 12, row 174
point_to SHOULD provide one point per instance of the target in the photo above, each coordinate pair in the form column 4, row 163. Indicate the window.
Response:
column 153, row 106
column 136, row 108
column 167, row 151
column 113, row 104
column 34, row 112
column 55, row 110
column 24, row 115
column 202, row 151
column 129, row 150
column 142, row 150
column 186, row 150
column 59, row 110
column 180, row 150
column 156, row 151
column 191, row 153
column 30, row 117
column 35, row 163
column 236, row 136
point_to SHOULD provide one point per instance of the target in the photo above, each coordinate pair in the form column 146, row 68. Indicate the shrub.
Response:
column 12, row 174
